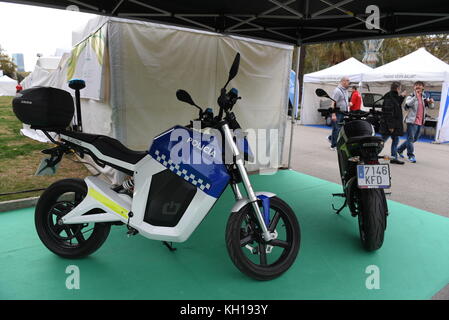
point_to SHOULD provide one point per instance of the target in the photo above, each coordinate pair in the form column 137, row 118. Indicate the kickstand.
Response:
column 341, row 208
column 169, row 246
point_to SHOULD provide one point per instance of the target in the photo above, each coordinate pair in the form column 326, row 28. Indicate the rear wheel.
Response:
column 254, row 256
column 372, row 218
column 67, row 240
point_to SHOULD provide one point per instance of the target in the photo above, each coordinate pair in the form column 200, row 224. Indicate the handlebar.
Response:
column 226, row 101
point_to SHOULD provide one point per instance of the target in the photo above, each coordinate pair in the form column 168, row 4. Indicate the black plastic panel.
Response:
column 168, row 199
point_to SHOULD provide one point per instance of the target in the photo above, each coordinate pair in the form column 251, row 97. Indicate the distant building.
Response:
column 17, row 58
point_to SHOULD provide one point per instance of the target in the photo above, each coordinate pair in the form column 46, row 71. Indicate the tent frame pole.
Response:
column 295, row 105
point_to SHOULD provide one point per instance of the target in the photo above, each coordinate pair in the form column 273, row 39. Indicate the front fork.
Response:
column 247, row 184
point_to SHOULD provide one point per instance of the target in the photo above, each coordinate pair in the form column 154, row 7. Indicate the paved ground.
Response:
column 423, row 185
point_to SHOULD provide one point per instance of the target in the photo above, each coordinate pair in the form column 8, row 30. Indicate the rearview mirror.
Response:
column 184, row 96
column 234, row 68
column 321, row 93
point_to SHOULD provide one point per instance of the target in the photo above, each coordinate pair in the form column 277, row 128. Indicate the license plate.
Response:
column 373, row 176
column 45, row 170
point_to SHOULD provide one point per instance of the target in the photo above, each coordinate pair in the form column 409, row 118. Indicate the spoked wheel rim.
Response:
column 259, row 252
column 67, row 235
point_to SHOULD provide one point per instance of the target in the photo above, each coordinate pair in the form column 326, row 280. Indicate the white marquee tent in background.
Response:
column 327, row 79
column 7, row 86
column 418, row 65
column 132, row 70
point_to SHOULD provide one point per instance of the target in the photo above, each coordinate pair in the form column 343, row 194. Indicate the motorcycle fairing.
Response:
column 211, row 178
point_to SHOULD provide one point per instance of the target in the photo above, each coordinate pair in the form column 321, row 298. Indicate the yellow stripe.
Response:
column 108, row 203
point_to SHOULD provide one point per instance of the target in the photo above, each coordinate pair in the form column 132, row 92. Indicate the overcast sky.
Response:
column 31, row 30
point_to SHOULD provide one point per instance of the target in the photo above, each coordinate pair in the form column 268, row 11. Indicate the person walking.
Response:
column 340, row 95
column 391, row 119
column 356, row 99
column 416, row 105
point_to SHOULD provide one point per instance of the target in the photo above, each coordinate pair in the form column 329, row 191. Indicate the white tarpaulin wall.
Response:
column 327, row 79
column 418, row 65
column 144, row 64
column 7, row 86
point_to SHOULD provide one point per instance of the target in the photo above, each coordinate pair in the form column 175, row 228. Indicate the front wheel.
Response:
column 372, row 218
column 254, row 256
column 67, row 240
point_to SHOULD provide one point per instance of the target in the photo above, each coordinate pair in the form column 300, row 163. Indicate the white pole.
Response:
column 295, row 106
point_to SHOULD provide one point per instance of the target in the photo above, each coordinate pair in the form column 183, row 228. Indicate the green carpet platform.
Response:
column 413, row 262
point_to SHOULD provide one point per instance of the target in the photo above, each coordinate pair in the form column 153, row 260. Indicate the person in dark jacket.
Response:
column 391, row 120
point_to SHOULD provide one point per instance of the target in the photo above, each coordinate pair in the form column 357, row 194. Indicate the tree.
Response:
column 6, row 64
column 320, row 56
column 393, row 48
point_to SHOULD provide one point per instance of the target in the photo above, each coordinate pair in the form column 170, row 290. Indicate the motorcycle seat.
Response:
column 108, row 146
column 364, row 139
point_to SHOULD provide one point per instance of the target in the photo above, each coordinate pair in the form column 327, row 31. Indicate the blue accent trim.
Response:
column 266, row 208
column 445, row 107
column 361, row 172
column 291, row 91
column 198, row 158
column 77, row 80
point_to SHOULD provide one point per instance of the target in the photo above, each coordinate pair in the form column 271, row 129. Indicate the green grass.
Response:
column 20, row 156
column 11, row 142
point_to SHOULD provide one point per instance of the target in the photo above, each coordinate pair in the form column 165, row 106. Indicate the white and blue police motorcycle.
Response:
column 165, row 198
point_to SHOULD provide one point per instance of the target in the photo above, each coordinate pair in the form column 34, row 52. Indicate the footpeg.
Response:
column 338, row 195
column 337, row 211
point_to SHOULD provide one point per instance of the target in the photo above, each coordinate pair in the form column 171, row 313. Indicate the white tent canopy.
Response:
column 132, row 70
column 423, row 66
column 418, row 65
column 7, row 86
column 352, row 68
column 327, row 79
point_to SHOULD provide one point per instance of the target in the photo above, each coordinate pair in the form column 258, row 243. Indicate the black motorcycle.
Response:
column 363, row 177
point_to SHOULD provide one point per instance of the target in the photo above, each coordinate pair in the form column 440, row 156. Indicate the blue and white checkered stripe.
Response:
column 183, row 173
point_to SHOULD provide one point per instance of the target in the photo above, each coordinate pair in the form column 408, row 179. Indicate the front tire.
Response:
column 250, row 253
column 70, row 240
column 372, row 218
